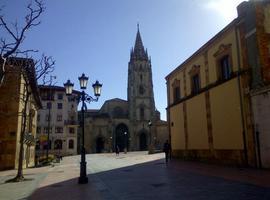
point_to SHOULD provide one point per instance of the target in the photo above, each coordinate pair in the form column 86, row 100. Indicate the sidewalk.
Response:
column 21, row 190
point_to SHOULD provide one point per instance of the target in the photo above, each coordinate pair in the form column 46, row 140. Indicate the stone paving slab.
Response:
column 165, row 182
column 138, row 176
column 20, row 190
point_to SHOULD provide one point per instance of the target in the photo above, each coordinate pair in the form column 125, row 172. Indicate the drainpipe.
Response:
column 240, row 97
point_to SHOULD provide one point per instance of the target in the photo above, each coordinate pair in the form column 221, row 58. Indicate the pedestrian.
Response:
column 167, row 150
column 117, row 150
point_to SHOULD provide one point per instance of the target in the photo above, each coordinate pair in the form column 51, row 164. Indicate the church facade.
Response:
column 133, row 124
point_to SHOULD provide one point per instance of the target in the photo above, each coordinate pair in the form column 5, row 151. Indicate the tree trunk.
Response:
column 20, row 176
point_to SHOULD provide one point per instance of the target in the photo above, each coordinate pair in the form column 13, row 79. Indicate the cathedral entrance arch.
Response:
column 122, row 137
column 143, row 141
column 99, row 144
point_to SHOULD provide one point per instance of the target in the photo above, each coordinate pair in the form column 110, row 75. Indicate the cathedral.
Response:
column 133, row 124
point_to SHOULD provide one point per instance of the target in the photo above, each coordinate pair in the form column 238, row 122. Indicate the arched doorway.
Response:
column 99, row 144
column 122, row 137
column 143, row 141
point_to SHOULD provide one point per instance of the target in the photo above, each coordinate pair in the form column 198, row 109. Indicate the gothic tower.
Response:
column 140, row 95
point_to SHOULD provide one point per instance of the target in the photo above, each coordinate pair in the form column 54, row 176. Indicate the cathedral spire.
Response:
column 139, row 51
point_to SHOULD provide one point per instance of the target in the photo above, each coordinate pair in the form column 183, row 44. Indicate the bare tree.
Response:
column 15, row 35
column 31, row 71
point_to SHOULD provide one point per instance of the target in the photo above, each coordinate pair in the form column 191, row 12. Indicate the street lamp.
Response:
column 83, row 98
column 125, row 134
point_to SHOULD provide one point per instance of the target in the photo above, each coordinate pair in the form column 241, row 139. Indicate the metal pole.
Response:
column 83, row 179
column 241, row 100
column 259, row 149
column 49, row 125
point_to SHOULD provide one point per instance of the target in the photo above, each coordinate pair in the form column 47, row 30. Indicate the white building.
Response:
column 59, row 115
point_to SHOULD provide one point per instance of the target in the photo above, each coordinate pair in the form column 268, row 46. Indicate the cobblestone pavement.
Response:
column 137, row 176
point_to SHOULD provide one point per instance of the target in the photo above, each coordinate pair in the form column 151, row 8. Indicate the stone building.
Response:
column 59, row 116
column 126, row 122
column 218, row 103
column 19, row 77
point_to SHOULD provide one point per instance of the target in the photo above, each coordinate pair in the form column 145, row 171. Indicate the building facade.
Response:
column 19, row 78
column 216, row 96
column 58, row 121
column 125, row 123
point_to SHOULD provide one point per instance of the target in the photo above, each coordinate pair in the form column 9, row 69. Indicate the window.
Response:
column 141, row 77
column 38, row 129
column 37, row 145
column 141, row 90
column 176, row 94
column 49, row 105
column 71, row 144
column 46, row 130
column 71, row 130
column 59, row 105
column 47, row 96
column 47, row 118
column 72, row 118
column 58, row 144
column 60, row 96
column 72, row 106
column 195, row 79
column 176, row 90
column 225, row 68
column 59, row 118
column 38, row 117
column 141, row 113
column 223, row 61
column 196, row 84
column 58, row 129
column 45, row 145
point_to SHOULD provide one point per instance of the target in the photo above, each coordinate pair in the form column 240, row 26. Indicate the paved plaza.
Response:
column 137, row 175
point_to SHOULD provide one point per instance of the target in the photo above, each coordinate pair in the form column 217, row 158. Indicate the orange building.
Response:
column 210, row 95
column 12, row 92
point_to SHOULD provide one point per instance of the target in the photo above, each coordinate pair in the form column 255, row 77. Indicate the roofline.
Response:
column 206, row 45
column 57, row 88
column 115, row 99
column 30, row 74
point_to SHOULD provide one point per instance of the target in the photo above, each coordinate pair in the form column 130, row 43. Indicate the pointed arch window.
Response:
column 141, row 113
column 141, row 90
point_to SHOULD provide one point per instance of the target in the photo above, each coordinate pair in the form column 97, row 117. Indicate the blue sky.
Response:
column 95, row 37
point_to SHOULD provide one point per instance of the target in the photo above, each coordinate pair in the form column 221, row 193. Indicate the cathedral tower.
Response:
column 140, row 94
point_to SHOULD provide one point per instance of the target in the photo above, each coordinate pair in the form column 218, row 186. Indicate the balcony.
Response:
column 71, row 122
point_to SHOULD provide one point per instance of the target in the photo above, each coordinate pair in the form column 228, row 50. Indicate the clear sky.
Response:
column 95, row 37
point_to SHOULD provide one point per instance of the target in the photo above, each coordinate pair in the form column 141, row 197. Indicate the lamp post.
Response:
column 50, row 99
column 84, row 97
column 125, row 134
column 150, row 149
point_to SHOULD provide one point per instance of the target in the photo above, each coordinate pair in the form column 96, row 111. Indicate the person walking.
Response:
column 167, row 150
column 117, row 150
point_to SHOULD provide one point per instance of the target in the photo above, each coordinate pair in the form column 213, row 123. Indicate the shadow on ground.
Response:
column 153, row 180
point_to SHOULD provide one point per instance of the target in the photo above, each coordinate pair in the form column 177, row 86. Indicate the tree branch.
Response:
column 17, row 36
